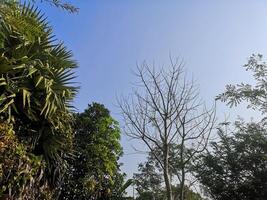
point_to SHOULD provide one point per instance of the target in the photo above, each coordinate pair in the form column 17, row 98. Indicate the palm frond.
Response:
column 36, row 79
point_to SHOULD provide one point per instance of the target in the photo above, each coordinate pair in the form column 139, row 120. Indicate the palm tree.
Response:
column 36, row 84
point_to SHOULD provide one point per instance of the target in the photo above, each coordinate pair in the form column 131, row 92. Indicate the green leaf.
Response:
column 6, row 105
column 26, row 97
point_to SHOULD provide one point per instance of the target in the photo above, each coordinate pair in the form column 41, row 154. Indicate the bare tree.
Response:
column 167, row 110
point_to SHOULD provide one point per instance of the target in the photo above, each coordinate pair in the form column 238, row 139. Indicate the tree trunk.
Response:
column 168, row 184
column 167, row 173
column 182, row 195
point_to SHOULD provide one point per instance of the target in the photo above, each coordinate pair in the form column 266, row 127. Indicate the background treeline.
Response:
column 49, row 151
column 188, row 151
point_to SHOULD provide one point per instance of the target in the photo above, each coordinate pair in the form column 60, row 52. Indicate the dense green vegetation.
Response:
column 94, row 172
column 49, row 151
column 35, row 94
column 38, row 145
column 236, row 167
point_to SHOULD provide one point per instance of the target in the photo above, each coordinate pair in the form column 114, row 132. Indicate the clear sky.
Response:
column 108, row 38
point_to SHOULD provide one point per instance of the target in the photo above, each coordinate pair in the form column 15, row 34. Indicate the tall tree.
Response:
column 94, row 172
column 36, row 86
column 168, row 110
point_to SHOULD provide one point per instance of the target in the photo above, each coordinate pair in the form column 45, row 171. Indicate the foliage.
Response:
column 150, row 178
column 236, row 168
column 161, row 195
column 94, row 170
column 254, row 95
column 57, row 3
column 120, row 186
column 36, row 87
column 35, row 71
column 119, row 190
column 62, row 4
column 21, row 173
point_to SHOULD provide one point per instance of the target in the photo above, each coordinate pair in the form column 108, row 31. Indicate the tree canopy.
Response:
column 236, row 166
column 95, row 170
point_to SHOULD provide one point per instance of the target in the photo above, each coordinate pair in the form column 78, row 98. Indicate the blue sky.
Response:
column 108, row 38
